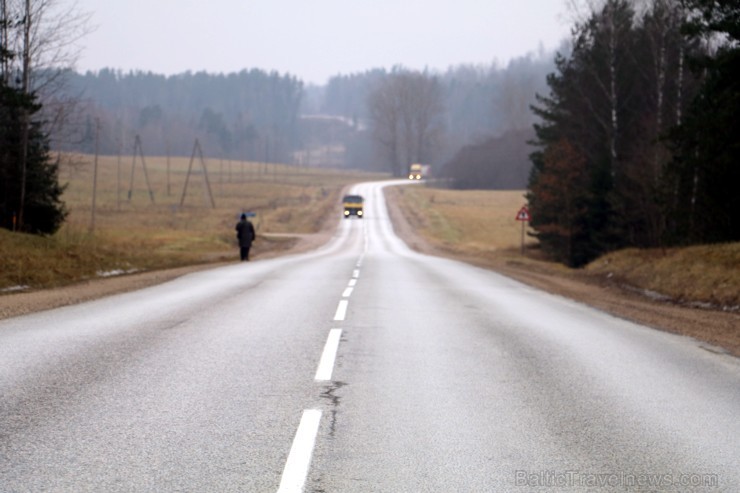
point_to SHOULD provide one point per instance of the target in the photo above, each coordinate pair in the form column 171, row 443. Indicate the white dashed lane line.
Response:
column 326, row 364
column 341, row 312
column 299, row 458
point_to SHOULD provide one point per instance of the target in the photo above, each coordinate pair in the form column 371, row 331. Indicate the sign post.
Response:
column 523, row 217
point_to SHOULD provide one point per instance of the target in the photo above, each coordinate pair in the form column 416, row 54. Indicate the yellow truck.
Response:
column 352, row 205
column 415, row 172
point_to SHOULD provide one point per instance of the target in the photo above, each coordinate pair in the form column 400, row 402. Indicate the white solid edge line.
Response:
column 347, row 292
column 341, row 310
column 299, row 458
column 326, row 364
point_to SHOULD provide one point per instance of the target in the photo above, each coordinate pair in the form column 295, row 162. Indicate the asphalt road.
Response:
column 362, row 366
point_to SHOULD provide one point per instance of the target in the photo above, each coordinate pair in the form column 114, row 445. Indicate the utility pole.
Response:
column 95, row 175
column 168, row 168
column 139, row 149
column 197, row 148
column 25, row 130
column 118, row 180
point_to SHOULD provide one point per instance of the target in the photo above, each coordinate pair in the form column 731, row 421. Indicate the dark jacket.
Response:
column 245, row 233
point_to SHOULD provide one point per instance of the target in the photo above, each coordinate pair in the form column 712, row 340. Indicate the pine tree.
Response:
column 558, row 201
column 588, row 109
column 44, row 211
column 30, row 194
column 612, row 100
column 705, row 205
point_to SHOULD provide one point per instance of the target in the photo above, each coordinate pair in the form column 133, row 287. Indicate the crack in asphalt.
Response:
column 334, row 400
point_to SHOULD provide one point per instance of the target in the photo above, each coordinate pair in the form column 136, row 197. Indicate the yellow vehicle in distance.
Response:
column 353, row 206
column 415, row 172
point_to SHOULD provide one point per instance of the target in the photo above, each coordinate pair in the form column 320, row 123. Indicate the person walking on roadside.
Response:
column 245, row 234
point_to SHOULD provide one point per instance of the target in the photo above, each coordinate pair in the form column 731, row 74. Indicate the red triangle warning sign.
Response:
column 523, row 214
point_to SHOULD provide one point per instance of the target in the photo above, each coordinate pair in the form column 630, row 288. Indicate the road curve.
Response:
column 362, row 366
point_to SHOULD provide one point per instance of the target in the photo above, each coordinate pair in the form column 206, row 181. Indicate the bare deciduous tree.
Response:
column 405, row 112
column 55, row 47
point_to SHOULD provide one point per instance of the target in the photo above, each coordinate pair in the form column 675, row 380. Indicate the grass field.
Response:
column 476, row 221
column 480, row 226
column 134, row 230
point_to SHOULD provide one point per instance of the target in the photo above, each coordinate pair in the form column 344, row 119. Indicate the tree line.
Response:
column 637, row 144
column 251, row 114
column 264, row 116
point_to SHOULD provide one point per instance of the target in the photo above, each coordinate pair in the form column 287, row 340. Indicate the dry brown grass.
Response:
column 477, row 221
column 283, row 197
column 479, row 226
column 704, row 273
column 138, row 234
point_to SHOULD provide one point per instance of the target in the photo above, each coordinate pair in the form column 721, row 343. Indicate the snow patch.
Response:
column 115, row 272
column 13, row 289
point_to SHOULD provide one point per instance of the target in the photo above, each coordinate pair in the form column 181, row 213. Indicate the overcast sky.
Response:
column 315, row 39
